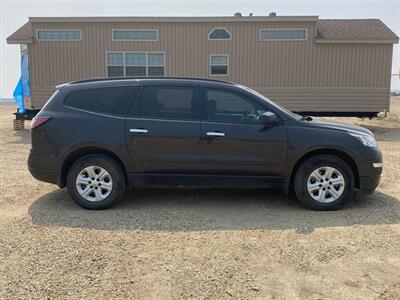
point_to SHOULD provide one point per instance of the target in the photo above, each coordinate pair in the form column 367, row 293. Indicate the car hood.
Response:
column 339, row 126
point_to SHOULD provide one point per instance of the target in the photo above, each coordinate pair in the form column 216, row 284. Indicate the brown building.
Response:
column 304, row 63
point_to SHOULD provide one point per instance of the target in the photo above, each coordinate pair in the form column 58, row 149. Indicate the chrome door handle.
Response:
column 138, row 130
column 215, row 133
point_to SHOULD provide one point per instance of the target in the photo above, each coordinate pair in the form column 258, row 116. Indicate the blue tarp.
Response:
column 19, row 96
column 22, row 89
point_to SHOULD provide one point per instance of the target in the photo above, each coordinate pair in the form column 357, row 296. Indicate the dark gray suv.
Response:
column 98, row 136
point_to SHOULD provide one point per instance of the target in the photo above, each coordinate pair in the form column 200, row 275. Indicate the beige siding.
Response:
column 298, row 74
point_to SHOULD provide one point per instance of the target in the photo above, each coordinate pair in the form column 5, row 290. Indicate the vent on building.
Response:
column 238, row 14
column 272, row 14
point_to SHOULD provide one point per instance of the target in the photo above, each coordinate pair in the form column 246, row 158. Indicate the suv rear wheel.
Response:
column 324, row 182
column 96, row 181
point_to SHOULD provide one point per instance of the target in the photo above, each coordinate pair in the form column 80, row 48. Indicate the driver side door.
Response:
column 234, row 140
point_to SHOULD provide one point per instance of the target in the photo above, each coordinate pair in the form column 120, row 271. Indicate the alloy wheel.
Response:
column 94, row 183
column 325, row 184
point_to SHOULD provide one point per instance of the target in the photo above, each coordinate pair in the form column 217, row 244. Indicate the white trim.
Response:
column 58, row 40
column 377, row 165
column 227, row 64
column 125, row 65
column 133, row 29
column 212, row 30
column 282, row 40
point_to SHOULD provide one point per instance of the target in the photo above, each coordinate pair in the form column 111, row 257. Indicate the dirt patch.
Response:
column 196, row 243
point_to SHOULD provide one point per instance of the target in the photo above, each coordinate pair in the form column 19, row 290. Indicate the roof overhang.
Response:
column 173, row 19
column 363, row 41
column 19, row 41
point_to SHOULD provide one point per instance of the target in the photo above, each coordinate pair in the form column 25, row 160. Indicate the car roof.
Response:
column 113, row 81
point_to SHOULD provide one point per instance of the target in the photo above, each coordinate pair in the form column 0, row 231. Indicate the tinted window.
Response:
column 167, row 103
column 224, row 106
column 110, row 100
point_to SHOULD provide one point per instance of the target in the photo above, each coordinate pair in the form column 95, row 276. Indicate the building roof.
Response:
column 24, row 35
column 215, row 19
column 354, row 30
column 328, row 31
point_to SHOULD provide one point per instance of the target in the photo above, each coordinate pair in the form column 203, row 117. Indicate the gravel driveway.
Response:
column 165, row 244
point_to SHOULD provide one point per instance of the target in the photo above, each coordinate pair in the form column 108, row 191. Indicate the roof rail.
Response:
column 148, row 77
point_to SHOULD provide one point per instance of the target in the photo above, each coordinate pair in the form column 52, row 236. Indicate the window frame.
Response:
column 135, row 109
column 253, row 100
column 227, row 64
column 58, row 40
column 134, row 29
column 212, row 30
column 282, row 40
column 124, row 65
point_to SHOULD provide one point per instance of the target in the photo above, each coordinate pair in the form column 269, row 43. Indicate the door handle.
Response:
column 138, row 130
column 215, row 133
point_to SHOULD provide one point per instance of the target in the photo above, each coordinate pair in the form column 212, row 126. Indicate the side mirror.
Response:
column 268, row 118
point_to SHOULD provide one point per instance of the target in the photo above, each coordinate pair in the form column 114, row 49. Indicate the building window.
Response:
column 58, row 35
column 283, row 34
column 141, row 64
column 115, row 64
column 219, row 33
column 135, row 35
column 219, row 64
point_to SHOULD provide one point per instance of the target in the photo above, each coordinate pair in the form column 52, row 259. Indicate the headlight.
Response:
column 366, row 139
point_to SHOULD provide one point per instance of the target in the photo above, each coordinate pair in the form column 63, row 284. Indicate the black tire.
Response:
column 105, row 162
column 313, row 163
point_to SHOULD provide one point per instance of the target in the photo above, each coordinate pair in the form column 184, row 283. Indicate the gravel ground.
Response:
column 164, row 244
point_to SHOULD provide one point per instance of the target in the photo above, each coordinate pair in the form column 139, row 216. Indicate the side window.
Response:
column 224, row 106
column 110, row 100
column 164, row 102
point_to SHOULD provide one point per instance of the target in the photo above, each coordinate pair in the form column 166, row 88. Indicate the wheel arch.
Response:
column 76, row 154
column 330, row 151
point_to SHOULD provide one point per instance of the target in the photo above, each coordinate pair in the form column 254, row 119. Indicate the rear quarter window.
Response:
column 108, row 100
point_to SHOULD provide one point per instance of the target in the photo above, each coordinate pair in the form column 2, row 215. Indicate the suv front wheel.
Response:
column 324, row 182
column 96, row 182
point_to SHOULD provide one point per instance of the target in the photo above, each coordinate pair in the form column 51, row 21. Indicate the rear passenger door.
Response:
column 163, row 130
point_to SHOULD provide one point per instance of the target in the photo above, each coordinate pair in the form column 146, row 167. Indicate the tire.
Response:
column 104, row 192
column 330, row 194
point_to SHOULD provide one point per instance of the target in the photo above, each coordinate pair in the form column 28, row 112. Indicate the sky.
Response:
column 14, row 13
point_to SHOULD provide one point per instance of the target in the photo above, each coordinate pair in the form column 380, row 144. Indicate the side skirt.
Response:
column 204, row 181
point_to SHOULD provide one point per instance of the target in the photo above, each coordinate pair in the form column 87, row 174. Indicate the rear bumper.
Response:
column 44, row 175
column 43, row 167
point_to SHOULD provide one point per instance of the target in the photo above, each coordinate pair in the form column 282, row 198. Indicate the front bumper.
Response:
column 370, row 165
column 368, row 185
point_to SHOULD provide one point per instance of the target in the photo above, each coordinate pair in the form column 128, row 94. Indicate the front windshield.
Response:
column 286, row 111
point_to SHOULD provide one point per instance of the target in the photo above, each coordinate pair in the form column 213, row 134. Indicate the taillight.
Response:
column 38, row 121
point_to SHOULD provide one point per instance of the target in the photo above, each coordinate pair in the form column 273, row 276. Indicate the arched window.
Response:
column 219, row 33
